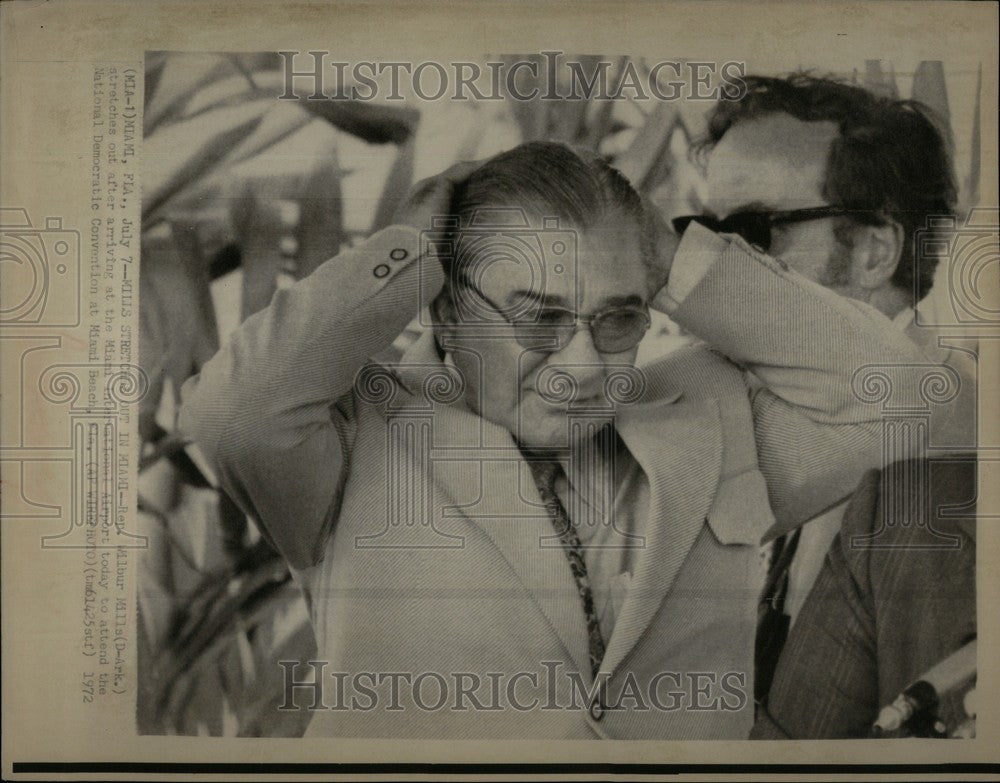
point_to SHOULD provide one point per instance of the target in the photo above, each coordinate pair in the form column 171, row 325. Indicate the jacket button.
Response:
column 381, row 270
column 398, row 254
column 596, row 709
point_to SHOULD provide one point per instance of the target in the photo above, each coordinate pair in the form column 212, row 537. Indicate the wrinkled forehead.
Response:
column 771, row 162
column 549, row 258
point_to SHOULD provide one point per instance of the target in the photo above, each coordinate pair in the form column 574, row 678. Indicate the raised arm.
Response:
column 272, row 411
column 816, row 434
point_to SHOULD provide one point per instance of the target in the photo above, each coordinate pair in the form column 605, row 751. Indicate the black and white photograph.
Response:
column 585, row 434
column 603, row 390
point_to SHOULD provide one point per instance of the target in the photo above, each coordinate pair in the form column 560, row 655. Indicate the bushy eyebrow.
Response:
column 623, row 301
column 544, row 300
column 554, row 300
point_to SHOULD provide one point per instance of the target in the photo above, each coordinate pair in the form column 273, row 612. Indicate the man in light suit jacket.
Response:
column 416, row 504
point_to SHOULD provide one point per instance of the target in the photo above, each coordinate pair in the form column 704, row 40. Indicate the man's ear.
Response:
column 877, row 252
column 443, row 311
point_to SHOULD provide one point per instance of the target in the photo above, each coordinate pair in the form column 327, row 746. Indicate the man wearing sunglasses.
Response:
column 553, row 543
column 836, row 184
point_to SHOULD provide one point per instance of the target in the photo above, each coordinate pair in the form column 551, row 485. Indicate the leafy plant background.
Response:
column 243, row 192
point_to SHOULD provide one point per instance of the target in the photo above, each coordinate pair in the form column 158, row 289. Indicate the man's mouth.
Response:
column 596, row 401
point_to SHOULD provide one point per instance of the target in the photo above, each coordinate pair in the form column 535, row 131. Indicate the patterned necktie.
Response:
column 545, row 474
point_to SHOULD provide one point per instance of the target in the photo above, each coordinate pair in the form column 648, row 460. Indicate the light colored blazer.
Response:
column 424, row 556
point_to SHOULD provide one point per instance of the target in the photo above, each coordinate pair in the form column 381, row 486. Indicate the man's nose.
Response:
column 579, row 350
column 580, row 359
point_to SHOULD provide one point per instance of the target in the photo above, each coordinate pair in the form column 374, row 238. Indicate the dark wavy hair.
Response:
column 892, row 157
column 554, row 180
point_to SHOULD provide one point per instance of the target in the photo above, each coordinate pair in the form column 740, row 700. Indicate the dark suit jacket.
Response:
column 893, row 598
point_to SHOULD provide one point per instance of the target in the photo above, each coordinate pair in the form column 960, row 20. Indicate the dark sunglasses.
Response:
column 550, row 329
column 756, row 227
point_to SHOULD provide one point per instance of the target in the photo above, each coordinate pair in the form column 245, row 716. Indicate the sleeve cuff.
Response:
column 697, row 253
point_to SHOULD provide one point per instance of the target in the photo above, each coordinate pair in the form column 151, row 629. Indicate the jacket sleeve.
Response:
column 818, row 427
column 273, row 411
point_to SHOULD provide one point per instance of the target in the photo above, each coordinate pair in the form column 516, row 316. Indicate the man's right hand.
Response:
column 432, row 196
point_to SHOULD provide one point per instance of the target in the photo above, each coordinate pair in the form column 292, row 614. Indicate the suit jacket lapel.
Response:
column 525, row 537
column 478, row 466
column 679, row 448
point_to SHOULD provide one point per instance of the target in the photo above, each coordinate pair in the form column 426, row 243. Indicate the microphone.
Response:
column 943, row 677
